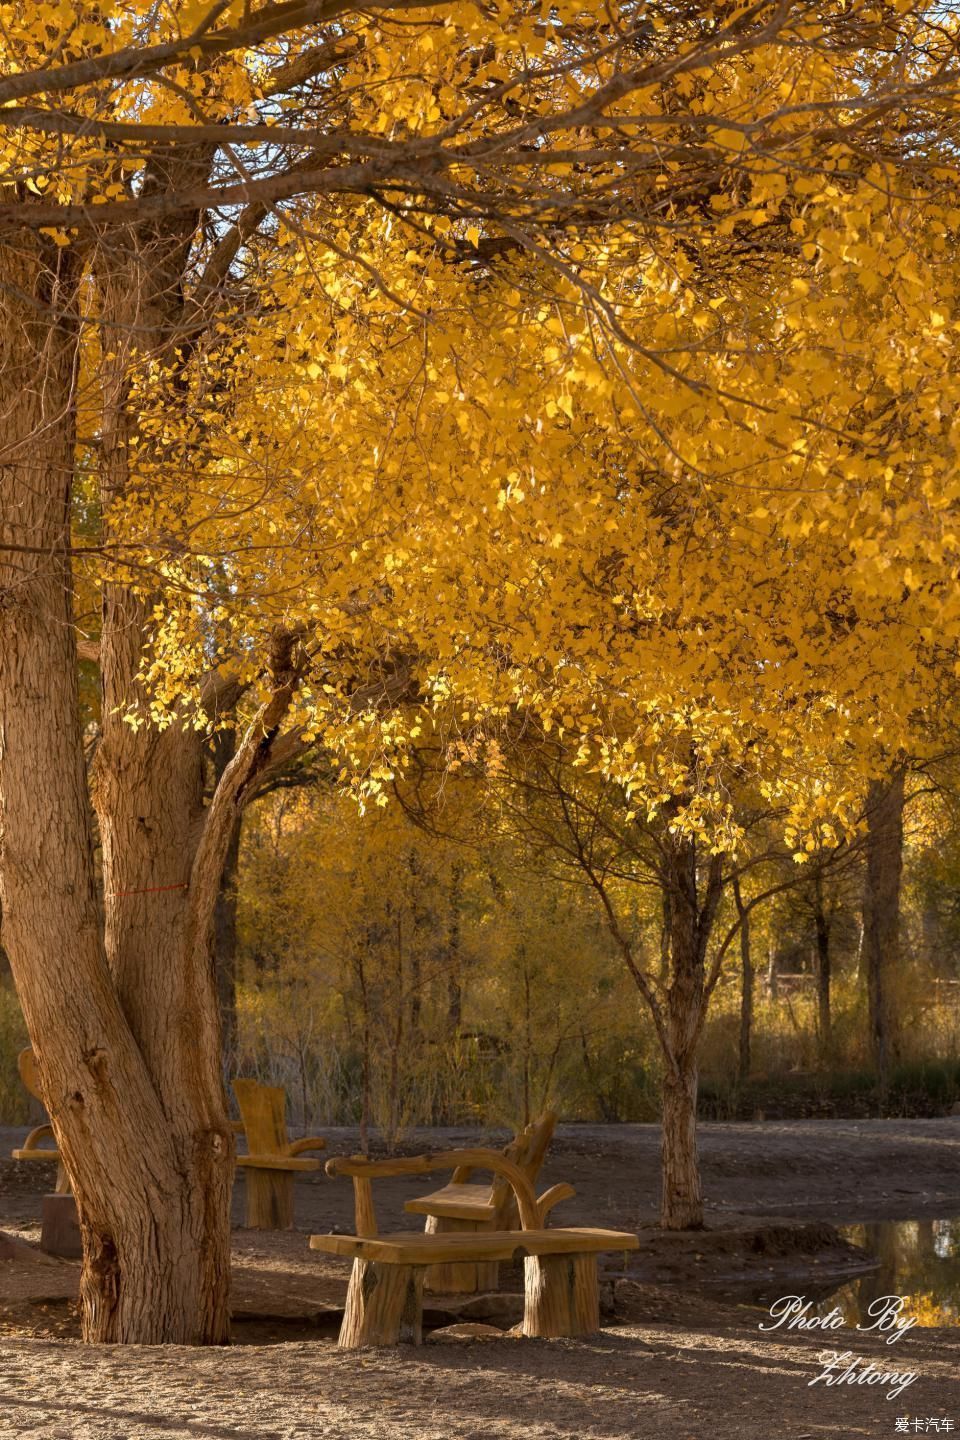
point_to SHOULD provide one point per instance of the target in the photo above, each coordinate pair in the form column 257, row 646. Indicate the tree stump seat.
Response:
column 385, row 1294
column 271, row 1160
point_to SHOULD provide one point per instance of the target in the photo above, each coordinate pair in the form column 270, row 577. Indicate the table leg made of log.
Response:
column 463, row 1277
column 269, row 1199
column 60, row 1226
column 384, row 1305
column 561, row 1296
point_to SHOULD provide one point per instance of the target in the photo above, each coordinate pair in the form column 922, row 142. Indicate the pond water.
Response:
column 918, row 1259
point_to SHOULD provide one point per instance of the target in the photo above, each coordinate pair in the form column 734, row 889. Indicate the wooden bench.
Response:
column 465, row 1208
column 385, row 1294
column 271, row 1160
column 31, row 1148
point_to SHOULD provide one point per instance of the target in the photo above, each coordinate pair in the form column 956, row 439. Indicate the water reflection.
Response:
column 919, row 1259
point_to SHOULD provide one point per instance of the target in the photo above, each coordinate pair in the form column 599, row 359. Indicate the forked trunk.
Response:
column 148, row 793
column 144, row 1136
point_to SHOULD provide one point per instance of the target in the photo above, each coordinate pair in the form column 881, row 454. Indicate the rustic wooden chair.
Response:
column 463, row 1207
column 271, row 1160
column 31, row 1148
column 385, row 1294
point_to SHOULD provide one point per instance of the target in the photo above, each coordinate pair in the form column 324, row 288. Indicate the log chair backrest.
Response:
column 527, row 1150
column 263, row 1109
column 27, row 1065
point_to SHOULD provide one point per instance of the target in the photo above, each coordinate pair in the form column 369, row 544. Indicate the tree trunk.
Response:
column 365, row 1079
column 121, row 1007
column 881, row 917
column 394, row 1099
column 681, row 1199
column 159, row 901
column 454, row 958
column 148, row 793
column 527, row 1042
column 746, row 988
column 150, row 1177
column 926, row 1240
column 822, row 930
column 934, row 950
column 666, row 926
column 225, row 917
column 422, row 922
column 225, row 954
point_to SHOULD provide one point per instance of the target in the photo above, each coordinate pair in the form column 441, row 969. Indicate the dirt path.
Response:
column 841, row 1170
column 675, row 1363
column 630, row 1383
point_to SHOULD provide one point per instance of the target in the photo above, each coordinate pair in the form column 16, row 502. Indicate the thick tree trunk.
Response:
column 881, row 917
column 150, row 1176
column 121, row 1009
column 148, row 794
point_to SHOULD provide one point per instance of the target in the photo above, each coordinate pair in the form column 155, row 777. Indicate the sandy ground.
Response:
column 677, row 1358
column 685, row 1382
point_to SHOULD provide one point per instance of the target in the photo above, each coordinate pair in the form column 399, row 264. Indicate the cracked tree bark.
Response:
column 149, row 1168
column 120, row 1002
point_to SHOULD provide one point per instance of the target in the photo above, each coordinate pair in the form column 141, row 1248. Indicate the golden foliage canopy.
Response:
column 591, row 365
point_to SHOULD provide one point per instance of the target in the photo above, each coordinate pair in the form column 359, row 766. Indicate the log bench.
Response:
column 272, row 1160
column 385, row 1295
